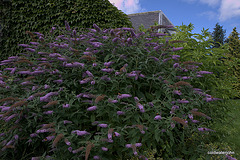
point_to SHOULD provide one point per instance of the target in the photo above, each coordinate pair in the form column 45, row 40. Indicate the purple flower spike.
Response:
column 136, row 99
column 41, row 131
column 70, row 149
column 96, row 44
column 96, row 157
column 105, row 37
column 89, row 74
column 121, row 96
column 13, row 70
column 24, row 45
column 108, row 64
column 120, row 113
column 66, row 121
column 128, row 145
column 205, row 129
column 4, row 109
column 138, row 144
column 48, row 112
column 129, row 40
column 155, row 58
column 67, row 26
column 2, row 134
column 30, row 49
column 211, row 99
column 67, row 142
column 10, row 117
column 204, row 72
column 66, row 105
column 150, row 104
column 16, row 137
column 104, row 149
column 186, row 77
column 109, row 70
column 140, row 107
column 93, row 108
column 80, row 133
column 230, row 158
column 177, row 49
column 62, row 59
column 177, row 92
column 183, row 101
column 103, row 125
column 112, row 101
column 167, row 59
column 105, row 78
column 195, row 121
column 48, row 138
column 94, row 64
column 24, row 72
column 116, row 134
column 59, row 81
column 131, row 74
column 172, row 125
column 33, row 135
column 176, row 65
column 115, row 39
column 46, row 86
column 96, row 27
column 158, row 117
column 55, row 55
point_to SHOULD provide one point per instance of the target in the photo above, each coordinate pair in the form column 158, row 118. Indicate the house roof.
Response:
column 148, row 19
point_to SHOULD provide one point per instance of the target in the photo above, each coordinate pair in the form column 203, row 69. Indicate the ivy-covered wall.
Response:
column 19, row 16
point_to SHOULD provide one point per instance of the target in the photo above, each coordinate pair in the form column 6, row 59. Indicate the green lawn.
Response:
column 230, row 130
column 233, row 126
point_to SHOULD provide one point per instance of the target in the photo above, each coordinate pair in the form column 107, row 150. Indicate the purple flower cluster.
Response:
column 47, row 97
column 158, row 117
column 93, row 108
column 140, row 106
column 121, row 96
column 205, row 129
column 80, row 133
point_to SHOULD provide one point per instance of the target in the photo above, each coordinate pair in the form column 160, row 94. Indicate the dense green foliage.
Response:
column 110, row 93
column 198, row 48
column 19, row 16
column 234, row 57
column 218, row 36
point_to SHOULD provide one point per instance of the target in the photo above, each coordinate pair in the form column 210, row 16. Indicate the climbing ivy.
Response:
column 19, row 16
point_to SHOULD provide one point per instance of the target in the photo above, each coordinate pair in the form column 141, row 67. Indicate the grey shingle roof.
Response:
column 148, row 19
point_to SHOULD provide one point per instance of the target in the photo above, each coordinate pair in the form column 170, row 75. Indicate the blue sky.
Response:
column 202, row 13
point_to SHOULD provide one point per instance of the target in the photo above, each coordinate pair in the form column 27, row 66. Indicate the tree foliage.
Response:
column 218, row 35
column 20, row 16
column 234, row 56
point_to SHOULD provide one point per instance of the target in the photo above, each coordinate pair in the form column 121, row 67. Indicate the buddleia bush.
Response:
column 101, row 94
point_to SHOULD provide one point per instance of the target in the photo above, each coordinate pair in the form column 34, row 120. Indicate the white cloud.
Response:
column 127, row 6
column 229, row 9
column 212, row 3
column 210, row 14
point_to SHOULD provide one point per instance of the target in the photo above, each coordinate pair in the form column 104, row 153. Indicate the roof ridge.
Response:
column 145, row 12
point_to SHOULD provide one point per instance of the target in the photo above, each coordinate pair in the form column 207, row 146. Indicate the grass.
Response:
column 229, row 131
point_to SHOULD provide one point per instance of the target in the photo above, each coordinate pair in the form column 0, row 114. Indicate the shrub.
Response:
column 102, row 94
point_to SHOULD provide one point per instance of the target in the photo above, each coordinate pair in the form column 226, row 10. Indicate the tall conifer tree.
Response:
column 234, row 56
column 218, row 35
